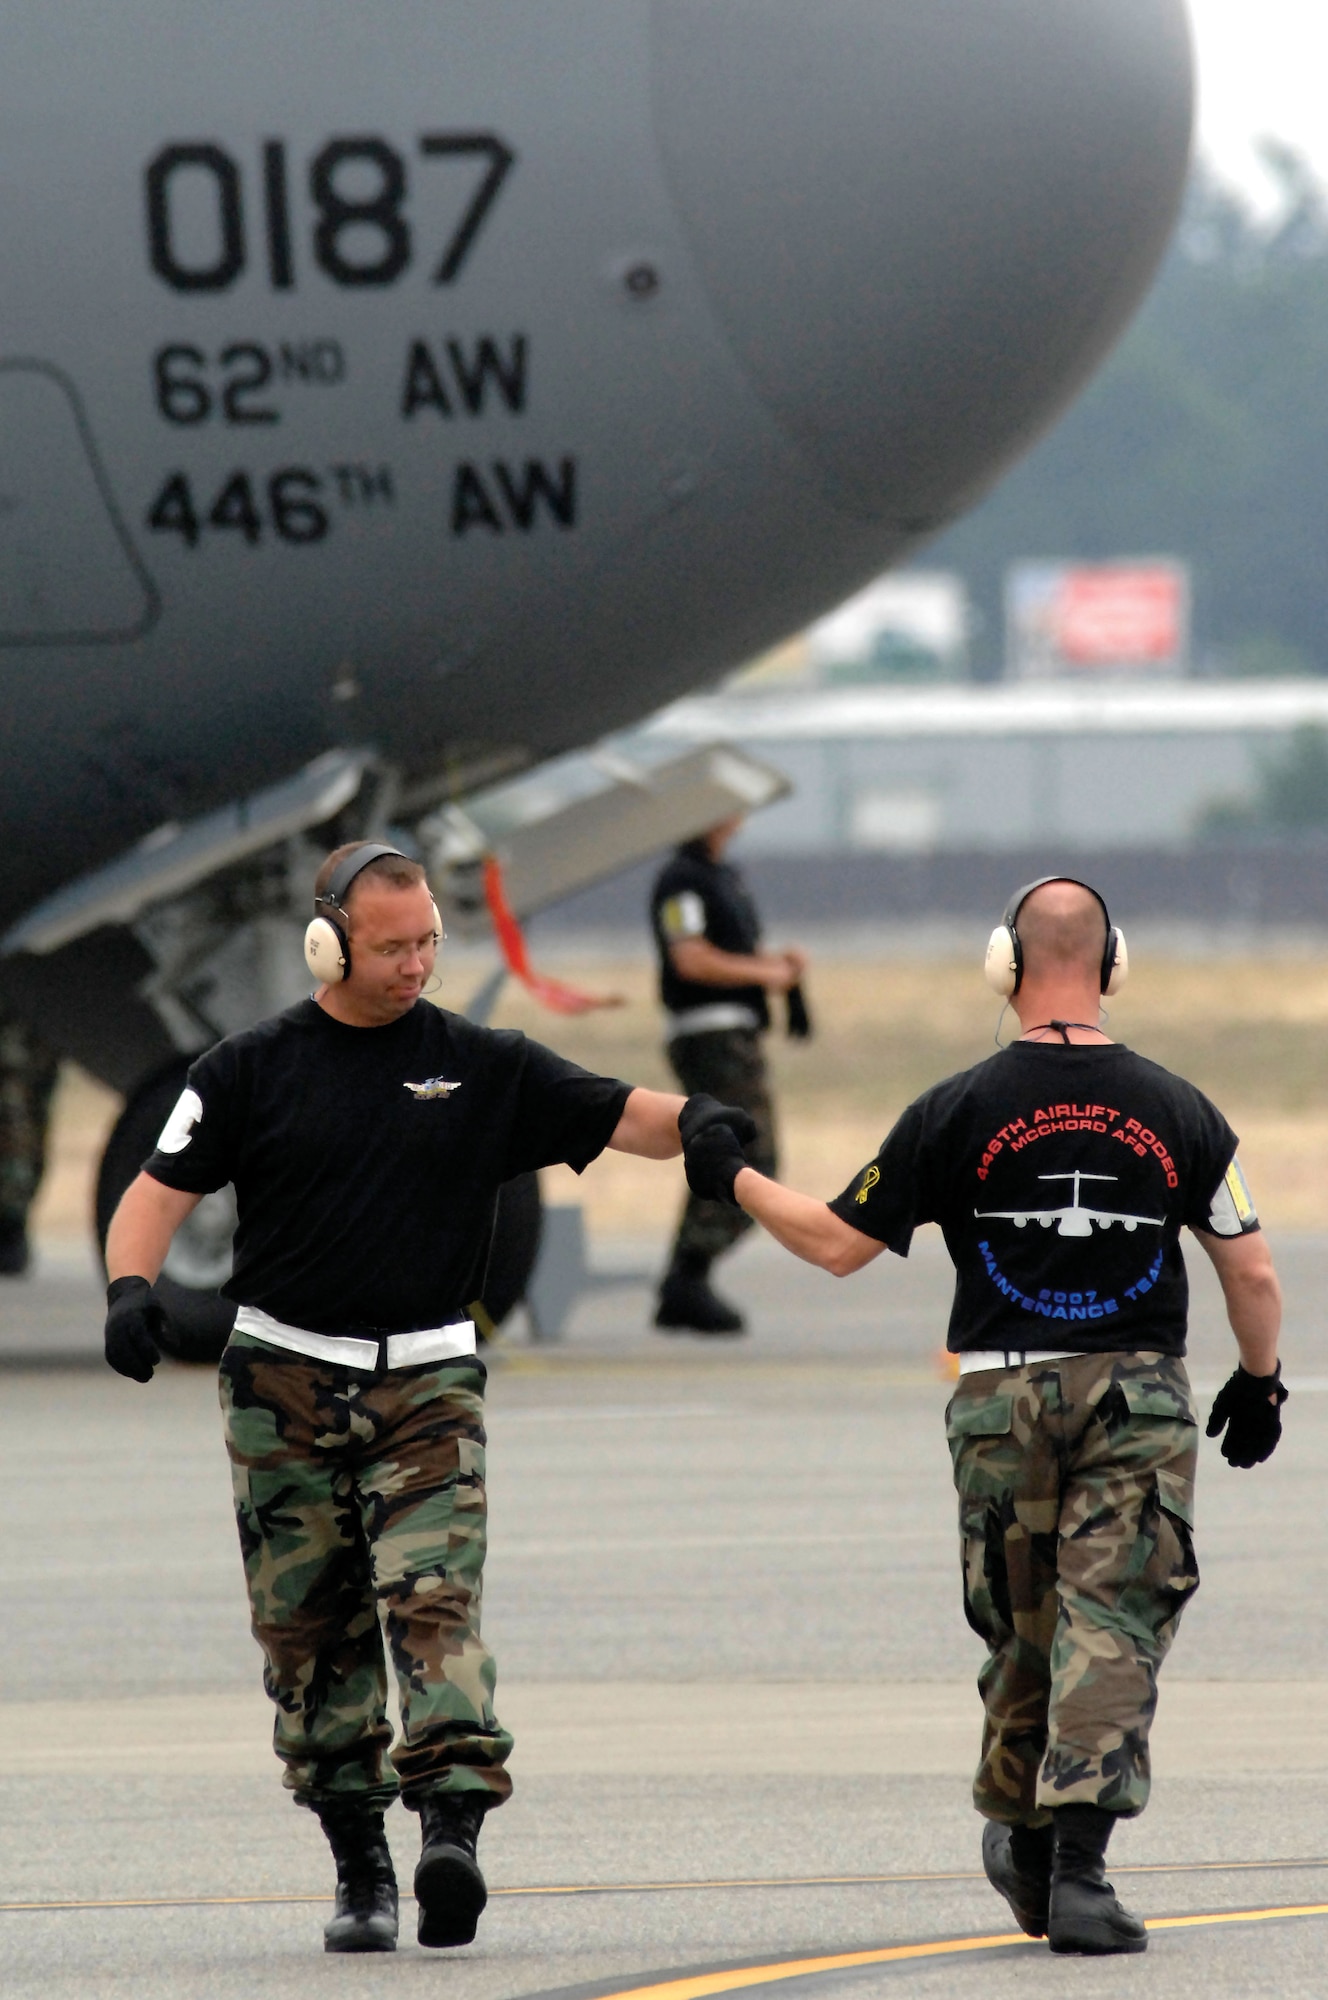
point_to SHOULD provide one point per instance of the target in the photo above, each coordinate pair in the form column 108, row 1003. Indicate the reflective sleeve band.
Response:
column 683, row 916
column 1233, row 1212
column 179, row 1127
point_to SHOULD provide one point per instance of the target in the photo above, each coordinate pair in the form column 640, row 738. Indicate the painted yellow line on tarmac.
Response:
column 711, row 1886
column 734, row 1979
column 701, row 1985
column 1238, row 1917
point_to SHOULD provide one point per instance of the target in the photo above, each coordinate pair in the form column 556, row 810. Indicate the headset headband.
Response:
column 1021, row 896
column 338, row 888
column 326, row 942
column 1005, row 962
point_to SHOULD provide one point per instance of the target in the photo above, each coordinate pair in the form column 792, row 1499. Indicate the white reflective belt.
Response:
column 982, row 1358
column 709, row 1020
column 404, row 1350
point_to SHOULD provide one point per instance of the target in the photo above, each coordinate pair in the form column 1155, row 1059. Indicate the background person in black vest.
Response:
column 713, row 981
column 366, row 1134
column 1061, row 1172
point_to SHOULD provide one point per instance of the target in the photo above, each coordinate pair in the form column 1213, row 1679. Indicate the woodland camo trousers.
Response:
column 361, row 1509
column 1076, row 1495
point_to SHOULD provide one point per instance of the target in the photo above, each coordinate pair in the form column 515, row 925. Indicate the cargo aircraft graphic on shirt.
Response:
column 1071, row 1221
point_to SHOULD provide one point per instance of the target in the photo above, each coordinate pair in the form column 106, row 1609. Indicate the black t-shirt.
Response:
column 696, row 897
column 1061, row 1178
column 366, row 1161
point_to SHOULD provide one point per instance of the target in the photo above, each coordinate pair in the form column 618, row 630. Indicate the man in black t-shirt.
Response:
column 713, row 981
column 366, row 1134
column 1061, row 1172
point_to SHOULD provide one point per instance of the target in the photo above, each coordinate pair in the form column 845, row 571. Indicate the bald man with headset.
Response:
column 367, row 1134
column 1061, row 1171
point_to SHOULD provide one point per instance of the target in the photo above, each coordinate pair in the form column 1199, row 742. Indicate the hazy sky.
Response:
column 1263, row 67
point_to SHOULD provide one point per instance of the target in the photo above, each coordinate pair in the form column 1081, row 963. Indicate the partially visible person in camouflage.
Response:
column 1061, row 1172
column 1076, row 1581
column 416, row 1499
column 728, row 1064
column 714, row 977
column 28, row 1073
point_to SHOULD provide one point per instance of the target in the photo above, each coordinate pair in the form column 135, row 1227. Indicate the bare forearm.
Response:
column 1244, row 1266
column 1254, row 1308
column 142, row 1227
column 708, row 965
column 804, row 1225
column 648, row 1126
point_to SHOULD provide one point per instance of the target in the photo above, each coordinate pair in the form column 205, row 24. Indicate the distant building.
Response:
column 920, row 770
column 912, row 625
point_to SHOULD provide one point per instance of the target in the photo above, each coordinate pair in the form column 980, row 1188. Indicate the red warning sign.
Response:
column 1064, row 618
column 1122, row 616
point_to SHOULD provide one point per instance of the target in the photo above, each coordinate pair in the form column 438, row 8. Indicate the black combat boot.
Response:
column 366, row 1916
column 1085, row 1915
column 1018, row 1864
column 449, row 1887
column 688, row 1305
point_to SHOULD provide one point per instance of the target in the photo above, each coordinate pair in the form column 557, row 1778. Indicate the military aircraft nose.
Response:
column 922, row 222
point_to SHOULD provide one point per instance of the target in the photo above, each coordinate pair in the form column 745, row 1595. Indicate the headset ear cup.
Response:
column 437, row 923
column 1120, row 964
column 999, row 967
column 325, row 952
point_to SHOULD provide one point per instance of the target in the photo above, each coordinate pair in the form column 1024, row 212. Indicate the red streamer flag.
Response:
column 550, row 993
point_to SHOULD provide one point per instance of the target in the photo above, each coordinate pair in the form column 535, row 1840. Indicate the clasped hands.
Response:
column 713, row 1136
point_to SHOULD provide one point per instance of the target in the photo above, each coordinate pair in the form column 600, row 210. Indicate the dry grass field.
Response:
column 1253, row 1034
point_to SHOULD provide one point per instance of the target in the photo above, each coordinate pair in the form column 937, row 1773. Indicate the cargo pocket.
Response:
column 1164, row 1571
column 1159, row 1399
column 978, row 1430
column 977, row 1417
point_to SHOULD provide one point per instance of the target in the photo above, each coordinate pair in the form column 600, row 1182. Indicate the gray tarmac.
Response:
column 723, row 1593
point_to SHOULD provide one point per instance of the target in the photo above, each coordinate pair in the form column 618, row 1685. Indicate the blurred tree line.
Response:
column 1205, row 436
column 1291, row 797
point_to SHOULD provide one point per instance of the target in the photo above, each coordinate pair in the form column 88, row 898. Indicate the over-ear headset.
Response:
column 1004, row 964
column 326, row 942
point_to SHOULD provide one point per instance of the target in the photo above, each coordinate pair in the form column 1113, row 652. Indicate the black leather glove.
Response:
column 134, row 1319
column 713, row 1160
column 1250, row 1409
column 700, row 1113
column 799, row 1020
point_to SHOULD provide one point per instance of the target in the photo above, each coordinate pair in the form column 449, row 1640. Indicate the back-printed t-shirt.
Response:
column 366, row 1161
column 1061, row 1178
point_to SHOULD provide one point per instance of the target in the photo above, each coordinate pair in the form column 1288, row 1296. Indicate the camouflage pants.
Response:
column 1076, row 1488
column 361, row 1508
column 729, row 1063
column 27, row 1083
